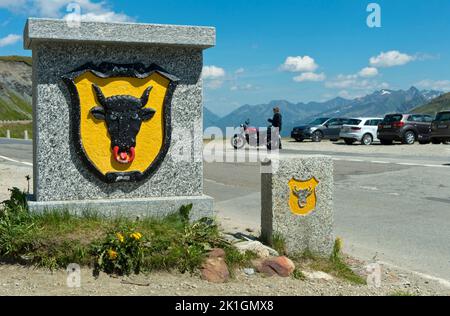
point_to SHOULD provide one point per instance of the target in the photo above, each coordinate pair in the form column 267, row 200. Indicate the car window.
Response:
column 393, row 118
column 376, row 122
column 331, row 121
column 414, row 118
column 444, row 116
column 427, row 118
column 337, row 122
column 353, row 122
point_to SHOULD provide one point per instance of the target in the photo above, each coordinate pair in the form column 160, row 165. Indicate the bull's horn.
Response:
column 100, row 96
column 145, row 96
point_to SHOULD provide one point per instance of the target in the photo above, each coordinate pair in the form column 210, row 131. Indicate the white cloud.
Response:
column 368, row 72
column 354, row 82
column 88, row 9
column 391, row 59
column 246, row 87
column 214, row 84
column 239, row 71
column 310, row 76
column 441, row 85
column 10, row 40
column 299, row 64
column 212, row 72
column 99, row 17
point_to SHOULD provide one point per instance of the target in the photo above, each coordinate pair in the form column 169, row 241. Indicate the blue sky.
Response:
column 287, row 49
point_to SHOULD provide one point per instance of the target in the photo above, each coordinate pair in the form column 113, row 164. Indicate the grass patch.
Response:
column 279, row 244
column 335, row 265
column 17, row 130
column 298, row 274
column 120, row 246
column 23, row 59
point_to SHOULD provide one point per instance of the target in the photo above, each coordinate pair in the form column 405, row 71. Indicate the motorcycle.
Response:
column 254, row 137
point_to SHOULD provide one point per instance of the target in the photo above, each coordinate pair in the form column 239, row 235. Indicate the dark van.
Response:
column 440, row 128
column 406, row 128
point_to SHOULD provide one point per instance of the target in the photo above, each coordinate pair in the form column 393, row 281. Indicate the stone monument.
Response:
column 118, row 117
column 297, row 203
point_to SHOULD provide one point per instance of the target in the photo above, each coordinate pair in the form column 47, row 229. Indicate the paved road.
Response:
column 388, row 203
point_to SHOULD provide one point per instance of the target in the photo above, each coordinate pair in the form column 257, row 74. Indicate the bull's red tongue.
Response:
column 123, row 157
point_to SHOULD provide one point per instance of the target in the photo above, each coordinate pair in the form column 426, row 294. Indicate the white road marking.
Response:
column 408, row 164
column 17, row 161
column 379, row 161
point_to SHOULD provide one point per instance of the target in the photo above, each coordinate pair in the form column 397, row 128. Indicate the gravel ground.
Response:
column 18, row 280
column 14, row 176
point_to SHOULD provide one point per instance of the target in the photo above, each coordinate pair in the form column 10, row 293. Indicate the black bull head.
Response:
column 123, row 115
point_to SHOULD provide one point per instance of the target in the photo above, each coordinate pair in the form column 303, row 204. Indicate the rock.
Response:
column 216, row 253
column 249, row 271
column 215, row 270
column 318, row 275
column 281, row 266
column 258, row 248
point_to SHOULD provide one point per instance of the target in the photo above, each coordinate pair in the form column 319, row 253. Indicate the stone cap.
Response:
column 57, row 30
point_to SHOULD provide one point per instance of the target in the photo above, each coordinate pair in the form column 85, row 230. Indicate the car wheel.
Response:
column 237, row 142
column 367, row 139
column 349, row 141
column 436, row 141
column 317, row 136
column 386, row 142
column 409, row 138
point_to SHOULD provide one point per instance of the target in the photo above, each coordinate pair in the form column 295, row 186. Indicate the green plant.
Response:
column 55, row 239
column 334, row 265
column 298, row 274
column 279, row 244
column 121, row 253
column 17, row 200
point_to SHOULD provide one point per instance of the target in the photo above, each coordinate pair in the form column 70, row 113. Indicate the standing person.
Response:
column 277, row 122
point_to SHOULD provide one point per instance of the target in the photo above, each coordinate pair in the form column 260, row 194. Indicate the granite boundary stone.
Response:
column 313, row 232
column 60, row 177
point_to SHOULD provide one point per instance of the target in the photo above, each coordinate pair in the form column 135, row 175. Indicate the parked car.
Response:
column 440, row 128
column 362, row 130
column 407, row 128
column 321, row 128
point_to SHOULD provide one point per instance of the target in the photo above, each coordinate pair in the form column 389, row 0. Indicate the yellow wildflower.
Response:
column 112, row 254
column 120, row 237
column 136, row 236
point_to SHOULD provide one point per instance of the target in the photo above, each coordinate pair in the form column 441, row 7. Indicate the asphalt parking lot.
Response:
column 391, row 202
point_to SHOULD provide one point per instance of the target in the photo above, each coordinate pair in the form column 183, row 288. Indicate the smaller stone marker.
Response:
column 8, row 133
column 25, row 135
column 297, row 203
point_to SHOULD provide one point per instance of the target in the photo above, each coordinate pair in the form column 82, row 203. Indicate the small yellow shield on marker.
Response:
column 302, row 198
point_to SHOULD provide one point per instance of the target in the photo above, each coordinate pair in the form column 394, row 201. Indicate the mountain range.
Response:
column 15, row 102
column 376, row 104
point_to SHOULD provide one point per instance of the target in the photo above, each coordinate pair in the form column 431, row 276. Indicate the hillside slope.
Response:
column 15, row 88
column 436, row 105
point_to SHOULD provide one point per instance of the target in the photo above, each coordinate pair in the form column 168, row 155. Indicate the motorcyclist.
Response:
column 277, row 122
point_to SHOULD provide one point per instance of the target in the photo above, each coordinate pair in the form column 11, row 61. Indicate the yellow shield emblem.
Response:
column 303, row 199
column 120, row 117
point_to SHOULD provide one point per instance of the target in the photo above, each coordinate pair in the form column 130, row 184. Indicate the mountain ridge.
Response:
column 375, row 104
